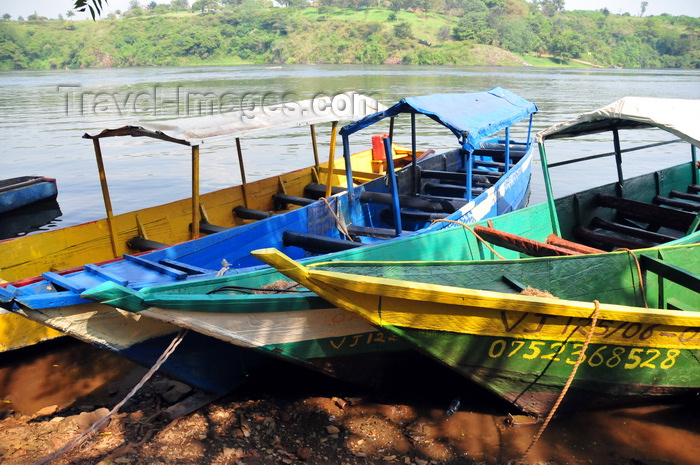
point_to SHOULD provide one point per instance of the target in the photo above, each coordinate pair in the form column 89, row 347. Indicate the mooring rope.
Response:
column 581, row 356
column 102, row 421
column 471, row 230
column 639, row 275
column 339, row 224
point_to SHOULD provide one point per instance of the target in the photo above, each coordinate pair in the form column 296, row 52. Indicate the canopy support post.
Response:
column 314, row 145
column 694, row 157
column 105, row 195
column 468, row 167
column 393, row 185
column 548, row 190
column 507, row 151
column 391, row 128
column 244, row 186
column 331, row 161
column 529, row 133
column 348, row 171
column 618, row 161
column 195, row 191
column 414, row 169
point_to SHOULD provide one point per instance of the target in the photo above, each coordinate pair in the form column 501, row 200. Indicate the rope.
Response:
column 639, row 274
column 339, row 224
column 581, row 356
column 251, row 290
column 225, row 266
column 475, row 234
column 102, row 421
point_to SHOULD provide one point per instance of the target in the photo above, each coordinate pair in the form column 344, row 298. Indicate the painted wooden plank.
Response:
column 166, row 270
column 63, row 282
column 97, row 271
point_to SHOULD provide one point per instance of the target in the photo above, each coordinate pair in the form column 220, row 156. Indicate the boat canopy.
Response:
column 471, row 116
column 249, row 122
column 680, row 117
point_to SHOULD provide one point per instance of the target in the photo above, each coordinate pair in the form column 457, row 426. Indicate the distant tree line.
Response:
column 347, row 31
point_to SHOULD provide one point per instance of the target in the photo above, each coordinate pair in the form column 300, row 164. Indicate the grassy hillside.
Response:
column 515, row 34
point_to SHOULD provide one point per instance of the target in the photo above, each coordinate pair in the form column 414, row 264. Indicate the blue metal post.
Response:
column 507, row 167
column 393, row 186
column 348, row 171
column 468, row 168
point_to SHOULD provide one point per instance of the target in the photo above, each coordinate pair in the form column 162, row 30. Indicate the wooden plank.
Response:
column 553, row 239
column 317, row 244
column 681, row 204
column 151, row 265
column 62, row 281
column 609, row 239
column 669, row 217
column 671, row 272
column 684, row 196
column 521, row 244
column 631, row 231
column 102, row 273
column 187, row 268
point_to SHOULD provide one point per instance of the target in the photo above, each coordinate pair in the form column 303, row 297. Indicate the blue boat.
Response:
column 483, row 177
column 19, row 192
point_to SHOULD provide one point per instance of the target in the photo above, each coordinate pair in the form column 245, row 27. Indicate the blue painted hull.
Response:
column 481, row 179
column 196, row 363
column 18, row 192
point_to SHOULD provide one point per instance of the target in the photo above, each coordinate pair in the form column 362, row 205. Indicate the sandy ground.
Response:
column 293, row 416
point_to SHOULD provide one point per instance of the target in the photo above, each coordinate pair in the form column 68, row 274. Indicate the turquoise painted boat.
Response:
column 486, row 175
column 315, row 332
column 614, row 328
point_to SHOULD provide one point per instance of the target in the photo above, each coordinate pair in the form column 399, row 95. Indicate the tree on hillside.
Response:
column 6, row 17
column 550, row 7
column 94, row 6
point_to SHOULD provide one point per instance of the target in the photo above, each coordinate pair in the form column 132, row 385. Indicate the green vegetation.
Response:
column 421, row 32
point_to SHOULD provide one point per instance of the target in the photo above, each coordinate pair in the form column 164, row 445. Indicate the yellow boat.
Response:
column 111, row 237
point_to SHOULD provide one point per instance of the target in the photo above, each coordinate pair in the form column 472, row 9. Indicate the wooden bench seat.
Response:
column 282, row 201
column 684, row 196
column 648, row 213
column 613, row 241
column 315, row 243
column 685, row 205
column 640, row 233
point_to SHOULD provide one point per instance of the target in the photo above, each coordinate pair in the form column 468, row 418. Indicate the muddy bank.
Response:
column 289, row 415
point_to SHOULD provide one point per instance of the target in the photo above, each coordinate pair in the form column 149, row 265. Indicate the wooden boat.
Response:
column 229, row 307
column 180, row 221
column 170, row 223
column 639, row 307
column 311, row 229
column 322, row 334
column 18, row 192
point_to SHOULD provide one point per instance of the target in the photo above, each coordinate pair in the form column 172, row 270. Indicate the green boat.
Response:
column 620, row 327
column 295, row 323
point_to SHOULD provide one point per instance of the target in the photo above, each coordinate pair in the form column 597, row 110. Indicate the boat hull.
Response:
column 531, row 373
column 304, row 329
column 19, row 192
column 199, row 361
column 525, row 348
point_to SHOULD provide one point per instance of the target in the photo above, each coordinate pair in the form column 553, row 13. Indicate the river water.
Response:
column 43, row 115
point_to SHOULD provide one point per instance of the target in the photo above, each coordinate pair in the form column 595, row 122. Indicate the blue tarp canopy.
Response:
column 471, row 117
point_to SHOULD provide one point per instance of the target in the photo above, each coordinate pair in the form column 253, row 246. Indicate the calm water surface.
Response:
column 43, row 115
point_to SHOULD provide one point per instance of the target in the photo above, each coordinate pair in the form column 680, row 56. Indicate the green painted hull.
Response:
column 528, row 357
column 532, row 373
